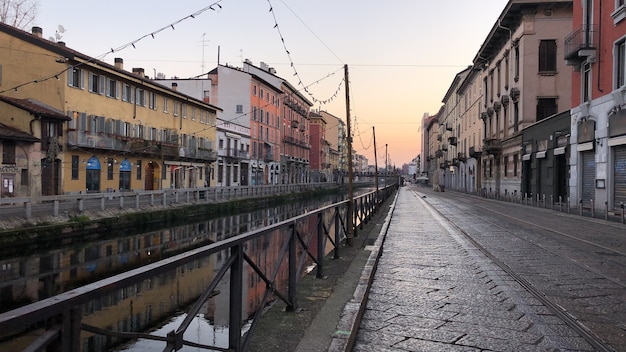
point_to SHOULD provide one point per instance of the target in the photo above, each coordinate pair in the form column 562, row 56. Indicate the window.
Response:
column 620, row 63
column 547, row 56
column 506, row 166
column 193, row 113
column 24, row 177
column 546, row 107
column 75, row 164
column 110, row 168
column 127, row 93
column 8, row 152
column 141, row 97
column 112, row 88
column 254, row 90
column 585, row 82
column 515, row 161
column 261, row 95
column 517, row 62
column 139, row 169
column 152, row 101
column 165, row 105
column 183, row 108
column 175, row 108
column 239, row 109
column 75, row 77
column 96, row 83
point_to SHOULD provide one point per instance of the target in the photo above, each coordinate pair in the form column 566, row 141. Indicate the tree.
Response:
column 18, row 13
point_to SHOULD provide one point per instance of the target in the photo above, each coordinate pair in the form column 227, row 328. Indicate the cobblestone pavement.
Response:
column 434, row 291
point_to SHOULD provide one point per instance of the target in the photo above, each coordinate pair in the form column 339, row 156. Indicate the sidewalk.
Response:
column 426, row 288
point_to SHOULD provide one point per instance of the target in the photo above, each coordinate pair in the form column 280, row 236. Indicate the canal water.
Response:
column 156, row 304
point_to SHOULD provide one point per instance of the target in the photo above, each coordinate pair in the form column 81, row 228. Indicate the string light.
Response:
column 118, row 49
column 292, row 64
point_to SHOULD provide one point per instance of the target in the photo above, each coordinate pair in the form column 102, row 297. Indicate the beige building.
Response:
column 124, row 131
column 336, row 138
column 525, row 79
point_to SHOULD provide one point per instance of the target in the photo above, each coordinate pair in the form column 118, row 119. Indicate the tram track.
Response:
column 596, row 341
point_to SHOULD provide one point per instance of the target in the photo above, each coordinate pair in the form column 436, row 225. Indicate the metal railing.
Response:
column 59, row 318
column 28, row 208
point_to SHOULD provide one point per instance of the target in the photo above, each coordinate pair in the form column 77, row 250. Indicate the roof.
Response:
column 68, row 54
column 8, row 132
column 507, row 22
column 36, row 107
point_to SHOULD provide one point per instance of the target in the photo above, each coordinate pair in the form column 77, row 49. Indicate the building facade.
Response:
column 123, row 132
column 596, row 51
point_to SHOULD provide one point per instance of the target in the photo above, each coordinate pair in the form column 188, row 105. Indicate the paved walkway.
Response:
column 433, row 291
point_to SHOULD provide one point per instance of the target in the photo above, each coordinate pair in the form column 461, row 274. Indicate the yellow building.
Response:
column 124, row 131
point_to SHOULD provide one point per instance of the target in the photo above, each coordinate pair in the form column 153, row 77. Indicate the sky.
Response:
column 402, row 55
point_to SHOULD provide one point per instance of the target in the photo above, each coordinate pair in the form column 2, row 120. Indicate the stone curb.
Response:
column 348, row 325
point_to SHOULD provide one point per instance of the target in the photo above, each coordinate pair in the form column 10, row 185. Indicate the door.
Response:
column 8, row 186
column 588, row 166
column 561, row 178
column 149, row 179
column 92, row 181
column 619, row 176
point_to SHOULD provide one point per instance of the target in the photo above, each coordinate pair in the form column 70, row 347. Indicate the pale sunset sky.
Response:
column 402, row 55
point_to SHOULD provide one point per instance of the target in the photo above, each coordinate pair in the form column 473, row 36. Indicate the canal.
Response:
column 157, row 304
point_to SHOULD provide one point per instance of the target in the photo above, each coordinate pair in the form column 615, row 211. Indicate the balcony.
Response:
column 462, row 157
column 452, row 141
column 444, row 147
column 581, row 44
column 475, row 153
column 294, row 123
column 492, row 146
column 448, row 126
column 230, row 153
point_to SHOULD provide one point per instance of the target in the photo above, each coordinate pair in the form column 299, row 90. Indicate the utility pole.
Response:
column 375, row 161
column 350, row 234
column 386, row 167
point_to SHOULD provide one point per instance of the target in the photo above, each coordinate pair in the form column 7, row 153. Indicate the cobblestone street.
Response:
column 434, row 291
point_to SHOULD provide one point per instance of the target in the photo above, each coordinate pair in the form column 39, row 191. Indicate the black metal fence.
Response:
column 56, row 323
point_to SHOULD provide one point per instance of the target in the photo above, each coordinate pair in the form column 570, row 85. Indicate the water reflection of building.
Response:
column 136, row 308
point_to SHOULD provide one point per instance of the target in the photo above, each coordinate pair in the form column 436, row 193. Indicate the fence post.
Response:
column 236, row 295
column 121, row 201
column 137, row 200
column 56, row 207
column 320, row 247
column 338, row 233
column 292, row 264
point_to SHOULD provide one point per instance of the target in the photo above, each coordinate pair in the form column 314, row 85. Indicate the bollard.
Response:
column 593, row 209
column 538, row 199
column 580, row 208
column 56, row 208
column 543, row 199
column 552, row 202
column 622, row 205
column 606, row 210
column 28, row 208
column 569, row 207
column 560, row 203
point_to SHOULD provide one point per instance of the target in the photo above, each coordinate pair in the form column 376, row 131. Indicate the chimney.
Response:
column 37, row 32
column 139, row 72
column 119, row 63
column 174, row 86
column 61, row 43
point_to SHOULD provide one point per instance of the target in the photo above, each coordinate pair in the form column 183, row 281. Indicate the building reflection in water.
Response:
column 159, row 299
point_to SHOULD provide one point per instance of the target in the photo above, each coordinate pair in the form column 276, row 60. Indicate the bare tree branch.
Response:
column 18, row 13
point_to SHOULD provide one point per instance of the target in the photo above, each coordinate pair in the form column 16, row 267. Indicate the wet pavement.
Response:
column 427, row 288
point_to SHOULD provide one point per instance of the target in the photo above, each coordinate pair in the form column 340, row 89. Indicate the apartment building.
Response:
column 320, row 165
column 525, row 80
column 336, row 138
column 123, row 131
column 452, row 159
column 595, row 50
column 293, row 148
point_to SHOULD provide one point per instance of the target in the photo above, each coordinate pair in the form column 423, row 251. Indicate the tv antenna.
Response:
column 58, row 35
